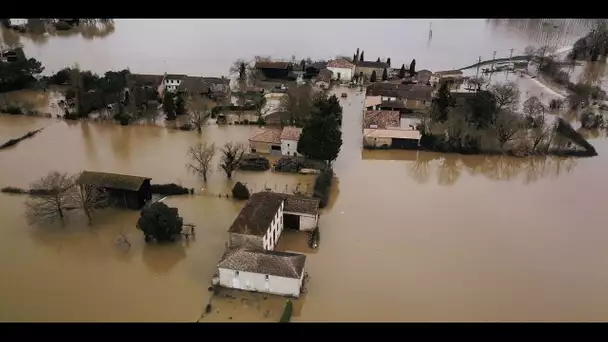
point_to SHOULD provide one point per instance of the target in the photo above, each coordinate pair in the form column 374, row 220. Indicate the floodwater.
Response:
column 407, row 236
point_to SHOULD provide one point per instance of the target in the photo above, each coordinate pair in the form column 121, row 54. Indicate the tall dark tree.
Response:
column 378, row 60
column 169, row 105
column 441, row 103
column 388, row 61
column 413, row 68
column 373, row 76
column 357, row 55
column 180, row 104
column 354, row 58
column 402, row 71
column 384, row 74
column 321, row 137
column 242, row 71
column 482, row 109
column 303, row 65
column 362, row 58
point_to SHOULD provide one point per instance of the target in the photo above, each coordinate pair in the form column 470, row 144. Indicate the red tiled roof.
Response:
column 340, row 63
column 271, row 136
column 291, row 133
column 381, row 118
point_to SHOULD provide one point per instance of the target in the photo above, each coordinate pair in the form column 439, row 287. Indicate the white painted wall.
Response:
column 307, row 222
column 260, row 282
column 388, row 98
column 289, row 147
column 345, row 74
column 406, row 122
column 274, row 232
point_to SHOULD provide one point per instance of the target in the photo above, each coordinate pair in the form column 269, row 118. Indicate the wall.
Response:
column 258, row 282
column 345, row 74
column 289, row 147
column 417, row 104
column 259, row 147
column 367, row 72
column 269, row 241
column 405, row 122
column 377, row 142
column 307, row 222
column 237, row 239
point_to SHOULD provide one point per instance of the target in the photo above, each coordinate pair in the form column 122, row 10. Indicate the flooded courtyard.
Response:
column 407, row 236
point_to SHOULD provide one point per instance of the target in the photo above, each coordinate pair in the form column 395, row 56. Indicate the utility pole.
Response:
column 493, row 59
column 478, row 65
column 509, row 66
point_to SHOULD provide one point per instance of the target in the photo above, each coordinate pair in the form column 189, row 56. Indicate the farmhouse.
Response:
column 289, row 141
column 367, row 68
column 342, row 70
column 391, row 138
column 274, row 70
column 273, row 272
column 129, row 191
column 266, row 141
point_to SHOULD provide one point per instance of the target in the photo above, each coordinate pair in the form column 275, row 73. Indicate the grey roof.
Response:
column 147, row 80
column 280, row 264
column 175, row 76
column 370, row 64
column 111, row 180
column 216, row 80
column 194, row 85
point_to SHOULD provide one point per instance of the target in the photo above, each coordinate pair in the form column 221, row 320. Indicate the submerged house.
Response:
column 273, row 272
column 132, row 192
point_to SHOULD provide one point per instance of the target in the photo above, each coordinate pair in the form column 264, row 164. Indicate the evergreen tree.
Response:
column 384, row 74
column 402, row 71
column 357, row 55
column 388, row 61
column 321, row 137
column 169, row 105
column 362, row 58
column 378, row 60
column 354, row 58
column 180, row 104
column 441, row 103
column 242, row 71
column 413, row 68
column 373, row 77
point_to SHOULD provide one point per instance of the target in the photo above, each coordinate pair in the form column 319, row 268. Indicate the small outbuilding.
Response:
column 279, row 273
column 132, row 192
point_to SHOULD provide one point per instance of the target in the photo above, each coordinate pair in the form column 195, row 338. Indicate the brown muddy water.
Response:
column 408, row 236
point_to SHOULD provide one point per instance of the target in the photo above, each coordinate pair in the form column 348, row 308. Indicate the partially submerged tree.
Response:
column 169, row 105
column 506, row 95
column 198, row 111
column 533, row 110
column 297, row 102
column 321, row 137
column 507, row 124
column 180, row 104
column 200, row 155
column 441, row 103
column 240, row 191
column 160, row 223
column 49, row 197
column 89, row 198
column 231, row 155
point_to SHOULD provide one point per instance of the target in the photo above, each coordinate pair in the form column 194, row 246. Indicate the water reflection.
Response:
column 40, row 34
column 448, row 167
column 162, row 258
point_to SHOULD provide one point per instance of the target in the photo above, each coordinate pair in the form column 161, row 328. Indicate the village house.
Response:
column 191, row 86
column 279, row 273
column 276, row 141
column 289, row 141
column 424, row 76
column 373, row 102
column 266, row 214
column 219, row 87
column 314, row 69
column 450, row 76
column 381, row 119
column 341, row 70
column 274, row 70
column 266, row 141
column 323, row 80
column 366, row 68
column 391, row 138
column 132, row 192
column 171, row 82
column 402, row 97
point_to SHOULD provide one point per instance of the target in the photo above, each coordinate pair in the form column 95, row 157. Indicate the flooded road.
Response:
column 407, row 236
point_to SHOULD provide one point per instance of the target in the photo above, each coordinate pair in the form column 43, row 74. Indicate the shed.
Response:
column 130, row 191
column 280, row 273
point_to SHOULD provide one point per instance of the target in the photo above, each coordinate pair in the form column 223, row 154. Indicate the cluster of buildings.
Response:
column 250, row 261
column 213, row 87
column 393, row 109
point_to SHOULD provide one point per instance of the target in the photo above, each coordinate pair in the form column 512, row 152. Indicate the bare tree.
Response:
column 541, row 135
column 506, row 95
column 507, row 125
column 231, row 156
column 532, row 109
column 200, row 155
column 198, row 110
column 49, row 197
column 529, row 52
column 89, row 198
column 297, row 102
column 477, row 82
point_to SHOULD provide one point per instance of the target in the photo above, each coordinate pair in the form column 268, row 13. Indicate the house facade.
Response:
column 271, row 272
column 391, row 138
column 424, row 76
column 259, row 224
column 366, row 69
column 341, row 69
column 267, row 141
column 171, row 82
column 132, row 192
column 289, row 141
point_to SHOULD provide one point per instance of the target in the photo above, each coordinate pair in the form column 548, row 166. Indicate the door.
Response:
column 291, row 221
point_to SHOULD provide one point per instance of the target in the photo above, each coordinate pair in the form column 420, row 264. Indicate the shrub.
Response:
column 13, row 190
column 260, row 121
column 295, row 164
column 237, row 122
column 240, row 191
column 160, row 223
column 245, row 122
column 322, row 187
column 252, row 162
column 287, row 312
column 62, row 26
column 186, row 127
column 14, row 110
column 169, row 189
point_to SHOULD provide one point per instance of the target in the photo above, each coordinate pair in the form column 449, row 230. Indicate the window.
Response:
column 267, row 277
column 236, row 273
column 287, row 145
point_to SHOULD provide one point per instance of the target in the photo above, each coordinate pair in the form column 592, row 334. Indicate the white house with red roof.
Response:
column 341, row 69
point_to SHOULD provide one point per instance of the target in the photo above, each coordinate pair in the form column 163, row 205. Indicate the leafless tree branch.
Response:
column 201, row 155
